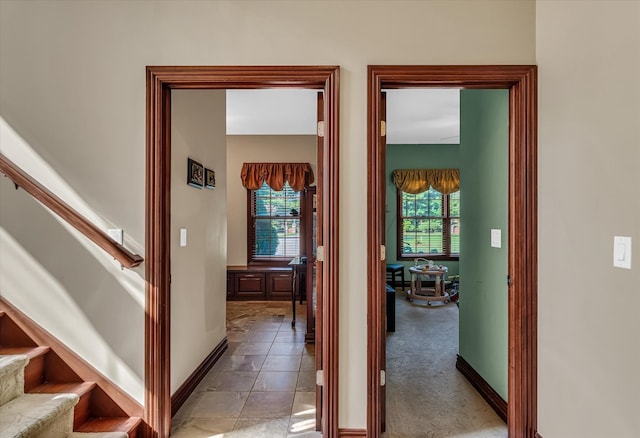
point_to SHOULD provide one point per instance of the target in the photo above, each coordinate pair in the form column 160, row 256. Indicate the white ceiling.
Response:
column 414, row 116
column 271, row 112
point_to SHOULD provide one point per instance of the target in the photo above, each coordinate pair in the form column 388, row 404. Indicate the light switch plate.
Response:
column 622, row 252
column 496, row 238
column 116, row 234
column 183, row 237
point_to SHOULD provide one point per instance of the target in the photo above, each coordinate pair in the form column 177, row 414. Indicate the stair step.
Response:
column 128, row 425
column 81, row 389
column 12, row 377
column 38, row 415
column 98, row 435
column 34, row 371
column 11, row 335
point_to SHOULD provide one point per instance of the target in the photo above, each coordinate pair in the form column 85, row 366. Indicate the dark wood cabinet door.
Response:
column 279, row 286
column 250, row 286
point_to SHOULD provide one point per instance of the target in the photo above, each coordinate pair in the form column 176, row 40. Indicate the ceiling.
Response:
column 414, row 116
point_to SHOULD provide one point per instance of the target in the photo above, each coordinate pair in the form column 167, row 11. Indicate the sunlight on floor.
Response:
column 303, row 426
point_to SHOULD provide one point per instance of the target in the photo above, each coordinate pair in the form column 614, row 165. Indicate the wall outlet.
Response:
column 183, row 237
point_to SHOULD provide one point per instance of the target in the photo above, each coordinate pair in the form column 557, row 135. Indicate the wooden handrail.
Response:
column 126, row 258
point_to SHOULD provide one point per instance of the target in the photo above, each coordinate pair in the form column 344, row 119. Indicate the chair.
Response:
column 393, row 270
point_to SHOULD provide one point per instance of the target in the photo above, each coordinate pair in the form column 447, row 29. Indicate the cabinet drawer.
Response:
column 279, row 286
column 250, row 286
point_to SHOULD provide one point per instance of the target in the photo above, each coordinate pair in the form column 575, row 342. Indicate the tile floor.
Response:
column 263, row 385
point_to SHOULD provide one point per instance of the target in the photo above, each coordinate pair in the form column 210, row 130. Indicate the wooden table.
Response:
column 437, row 293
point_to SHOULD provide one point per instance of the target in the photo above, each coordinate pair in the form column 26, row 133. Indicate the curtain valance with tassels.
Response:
column 298, row 175
column 416, row 181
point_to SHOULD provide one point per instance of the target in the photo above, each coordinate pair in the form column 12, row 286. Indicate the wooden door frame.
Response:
column 160, row 81
column 521, row 81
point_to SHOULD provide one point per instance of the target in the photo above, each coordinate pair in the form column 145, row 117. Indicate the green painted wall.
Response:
column 484, row 139
column 414, row 156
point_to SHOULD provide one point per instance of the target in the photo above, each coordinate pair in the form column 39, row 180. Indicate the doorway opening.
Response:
column 446, row 184
column 522, row 228
column 160, row 82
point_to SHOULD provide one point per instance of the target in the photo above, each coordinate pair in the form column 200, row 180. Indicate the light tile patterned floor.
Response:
column 263, row 385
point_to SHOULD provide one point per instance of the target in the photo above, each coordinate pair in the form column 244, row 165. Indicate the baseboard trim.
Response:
column 189, row 385
column 352, row 433
column 496, row 402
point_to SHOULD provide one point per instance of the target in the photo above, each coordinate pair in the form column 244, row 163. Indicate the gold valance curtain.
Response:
column 416, row 181
column 298, row 175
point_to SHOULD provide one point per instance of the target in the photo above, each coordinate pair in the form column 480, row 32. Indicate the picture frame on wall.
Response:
column 209, row 179
column 195, row 174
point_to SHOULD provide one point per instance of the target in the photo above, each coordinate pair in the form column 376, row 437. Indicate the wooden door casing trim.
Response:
column 521, row 81
column 160, row 81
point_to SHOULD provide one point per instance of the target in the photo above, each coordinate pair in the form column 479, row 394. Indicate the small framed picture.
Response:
column 195, row 174
column 209, row 179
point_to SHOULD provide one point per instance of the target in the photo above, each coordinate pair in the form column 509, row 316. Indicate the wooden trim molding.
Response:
column 352, row 433
column 79, row 366
column 521, row 81
column 21, row 179
column 160, row 81
column 182, row 394
column 484, row 389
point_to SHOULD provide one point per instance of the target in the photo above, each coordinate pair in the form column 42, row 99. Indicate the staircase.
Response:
column 42, row 397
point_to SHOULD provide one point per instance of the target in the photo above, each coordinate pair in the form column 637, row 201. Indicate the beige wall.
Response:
column 72, row 288
column 589, row 140
column 198, row 270
column 255, row 149
column 72, row 83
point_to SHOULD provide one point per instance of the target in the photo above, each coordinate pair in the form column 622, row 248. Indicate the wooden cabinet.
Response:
column 279, row 285
column 259, row 283
column 249, row 286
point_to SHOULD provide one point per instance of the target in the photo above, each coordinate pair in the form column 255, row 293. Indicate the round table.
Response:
column 429, row 294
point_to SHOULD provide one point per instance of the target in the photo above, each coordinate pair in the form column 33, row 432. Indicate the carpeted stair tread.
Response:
column 98, row 435
column 31, row 414
column 110, row 424
column 82, row 389
column 12, row 376
column 34, row 372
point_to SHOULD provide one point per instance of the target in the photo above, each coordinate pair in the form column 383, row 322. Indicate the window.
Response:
column 428, row 225
column 274, row 224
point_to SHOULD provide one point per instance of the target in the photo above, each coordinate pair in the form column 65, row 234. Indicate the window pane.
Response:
column 455, row 236
column 266, row 237
column 435, row 203
column 277, row 222
column 454, row 204
column 408, row 204
column 422, row 224
column 422, row 204
column 422, row 236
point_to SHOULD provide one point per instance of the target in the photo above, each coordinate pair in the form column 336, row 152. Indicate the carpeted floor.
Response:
column 426, row 395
